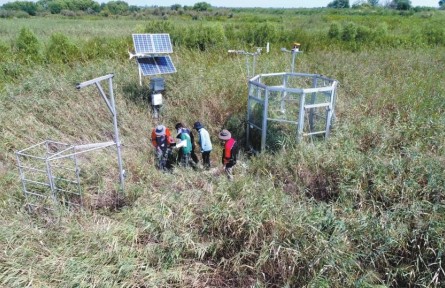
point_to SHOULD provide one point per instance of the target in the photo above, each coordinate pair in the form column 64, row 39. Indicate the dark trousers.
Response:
column 194, row 157
column 206, row 159
column 185, row 160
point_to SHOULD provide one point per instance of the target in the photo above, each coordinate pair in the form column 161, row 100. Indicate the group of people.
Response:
column 184, row 143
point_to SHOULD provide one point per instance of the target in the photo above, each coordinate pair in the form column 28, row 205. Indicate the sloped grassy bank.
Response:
column 365, row 208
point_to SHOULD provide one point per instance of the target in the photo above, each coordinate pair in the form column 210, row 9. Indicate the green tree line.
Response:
column 123, row 8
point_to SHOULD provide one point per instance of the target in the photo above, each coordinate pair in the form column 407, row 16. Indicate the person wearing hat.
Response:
column 185, row 146
column 193, row 155
column 230, row 152
column 162, row 141
column 205, row 144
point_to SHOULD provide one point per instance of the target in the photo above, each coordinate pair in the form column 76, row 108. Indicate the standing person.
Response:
column 229, row 152
column 162, row 141
column 192, row 139
column 185, row 146
column 205, row 144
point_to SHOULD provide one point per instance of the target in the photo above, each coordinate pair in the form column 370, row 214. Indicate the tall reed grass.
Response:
column 363, row 209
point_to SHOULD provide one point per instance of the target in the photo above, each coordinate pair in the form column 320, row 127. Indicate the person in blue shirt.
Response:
column 205, row 144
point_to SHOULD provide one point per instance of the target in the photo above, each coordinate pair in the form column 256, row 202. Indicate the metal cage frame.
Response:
column 50, row 172
column 319, row 96
column 38, row 163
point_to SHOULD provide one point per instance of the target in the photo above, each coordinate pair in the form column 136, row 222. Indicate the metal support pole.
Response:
column 294, row 53
column 113, row 110
column 264, row 126
column 330, row 111
column 293, row 61
column 249, row 111
column 116, row 134
column 22, row 177
column 77, row 172
column 301, row 118
column 312, row 110
column 284, row 95
column 248, row 67
column 51, row 181
column 254, row 64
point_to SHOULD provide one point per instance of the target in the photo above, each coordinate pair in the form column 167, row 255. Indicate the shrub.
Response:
column 28, row 47
column 334, row 30
column 105, row 48
column 349, row 32
column 258, row 35
column 61, row 50
column 434, row 35
column 364, row 34
column 204, row 37
column 5, row 53
column 159, row 27
column 67, row 13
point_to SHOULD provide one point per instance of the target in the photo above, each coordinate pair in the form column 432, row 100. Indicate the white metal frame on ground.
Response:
column 49, row 171
column 39, row 171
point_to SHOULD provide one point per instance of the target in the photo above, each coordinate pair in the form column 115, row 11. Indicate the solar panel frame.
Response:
column 154, row 65
column 152, row 43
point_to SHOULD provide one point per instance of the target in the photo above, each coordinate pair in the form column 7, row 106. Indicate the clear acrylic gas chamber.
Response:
column 288, row 106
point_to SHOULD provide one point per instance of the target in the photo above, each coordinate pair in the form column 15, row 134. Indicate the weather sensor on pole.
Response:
column 254, row 55
column 294, row 51
column 151, row 55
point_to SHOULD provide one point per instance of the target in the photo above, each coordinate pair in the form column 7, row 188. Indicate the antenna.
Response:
column 253, row 54
column 294, row 51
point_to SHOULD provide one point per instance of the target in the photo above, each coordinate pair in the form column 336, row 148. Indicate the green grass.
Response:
column 363, row 209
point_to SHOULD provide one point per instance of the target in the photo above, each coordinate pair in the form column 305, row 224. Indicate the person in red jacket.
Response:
column 162, row 141
column 230, row 152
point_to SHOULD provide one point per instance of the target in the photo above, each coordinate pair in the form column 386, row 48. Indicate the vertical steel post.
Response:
column 265, row 115
column 248, row 66
column 22, row 176
column 116, row 133
column 249, row 111
column 51, row 181
column 284, row 95
column 312, row 110
column 330, row 109
column 50, row 174
column 301, row 118
column 77, row 171
column 254, row 64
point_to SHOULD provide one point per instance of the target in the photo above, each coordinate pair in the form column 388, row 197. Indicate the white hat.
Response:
column 160, row 130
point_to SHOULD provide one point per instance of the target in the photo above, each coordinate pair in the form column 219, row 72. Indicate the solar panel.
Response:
column 156, row 65
column 152, row 43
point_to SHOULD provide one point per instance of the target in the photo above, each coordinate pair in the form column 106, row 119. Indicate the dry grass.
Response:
column 364, row 209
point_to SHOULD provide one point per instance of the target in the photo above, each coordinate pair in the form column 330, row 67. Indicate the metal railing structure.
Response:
column 49, row 171
column 45, row 181
column 303, row 102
